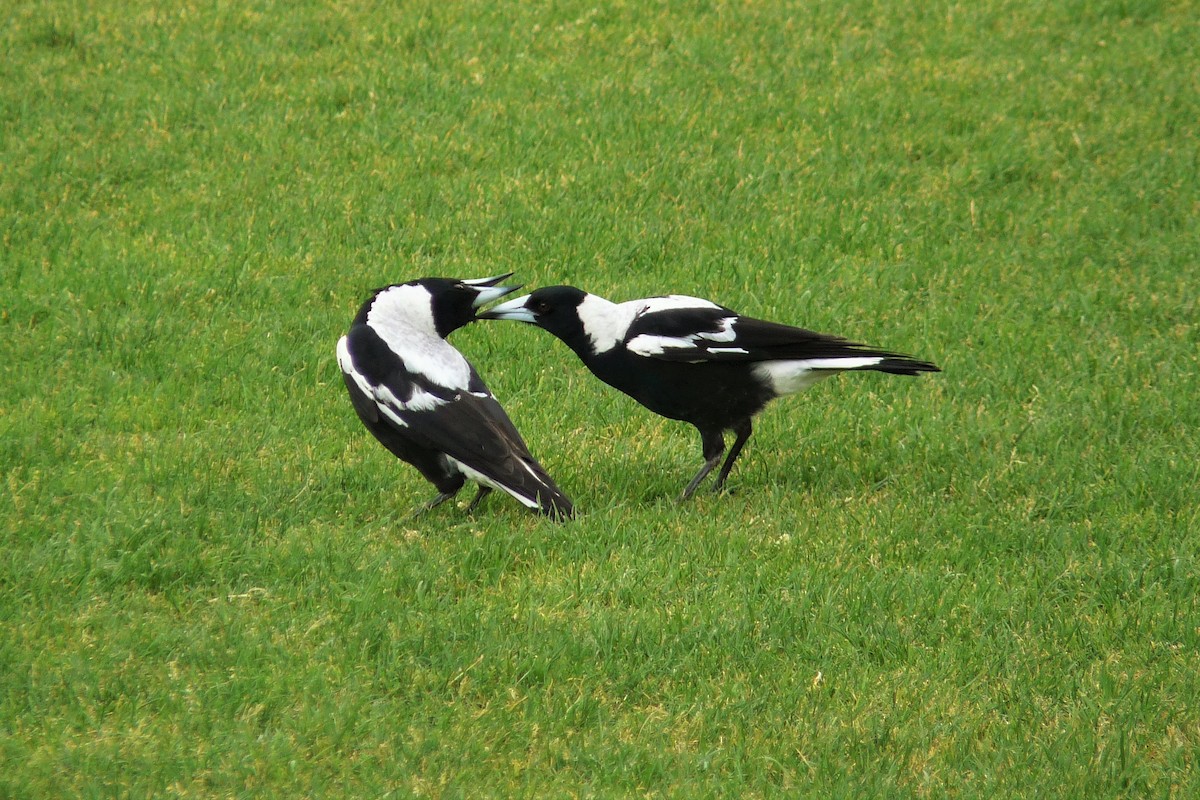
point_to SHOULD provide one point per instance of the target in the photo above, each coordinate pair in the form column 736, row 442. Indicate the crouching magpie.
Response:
column 425, row 402
column 693, row 360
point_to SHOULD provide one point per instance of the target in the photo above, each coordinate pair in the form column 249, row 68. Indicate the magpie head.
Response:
column 554, row 308
column 446, row 303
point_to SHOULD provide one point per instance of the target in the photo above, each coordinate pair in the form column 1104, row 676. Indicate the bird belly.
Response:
column 709, row 394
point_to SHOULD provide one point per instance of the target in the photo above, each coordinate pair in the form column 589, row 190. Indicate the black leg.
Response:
column 713, row 443
column 483, row 492
column 742, row 431
column 434, row 503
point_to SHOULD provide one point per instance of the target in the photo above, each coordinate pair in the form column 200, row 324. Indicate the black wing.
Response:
column 468, row 425
column 473, row 429
column 717, row 334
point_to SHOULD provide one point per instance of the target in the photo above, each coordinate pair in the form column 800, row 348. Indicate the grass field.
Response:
column 982, row 583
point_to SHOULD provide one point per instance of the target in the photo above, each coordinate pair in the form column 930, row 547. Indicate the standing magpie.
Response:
column 425, row 402
column 693, row 360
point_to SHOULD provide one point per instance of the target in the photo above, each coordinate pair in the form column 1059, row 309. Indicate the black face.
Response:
column 453, row 303
column 555, row 309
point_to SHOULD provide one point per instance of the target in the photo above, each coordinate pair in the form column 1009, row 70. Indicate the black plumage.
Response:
column 693, row 360
column 426, row 403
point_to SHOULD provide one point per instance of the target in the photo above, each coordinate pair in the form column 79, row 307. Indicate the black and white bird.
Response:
column 693, row 360
column 425, row 402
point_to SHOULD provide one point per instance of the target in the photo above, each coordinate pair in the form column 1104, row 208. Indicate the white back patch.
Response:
column 652, row 305
column 606, row 323
column 403, row 318
column 648, row 344
column 407, row 305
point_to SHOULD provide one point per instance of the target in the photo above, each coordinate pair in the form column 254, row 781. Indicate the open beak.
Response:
column 487, row 290
column 513, row 309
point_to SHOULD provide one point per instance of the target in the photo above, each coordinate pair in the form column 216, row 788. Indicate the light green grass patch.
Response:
column 977, row 583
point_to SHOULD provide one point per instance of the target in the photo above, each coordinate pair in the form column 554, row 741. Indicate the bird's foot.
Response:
column 432, row 504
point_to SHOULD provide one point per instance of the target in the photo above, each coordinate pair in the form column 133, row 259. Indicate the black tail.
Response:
column 554, row 504
column 530, row 483
column 895, row 364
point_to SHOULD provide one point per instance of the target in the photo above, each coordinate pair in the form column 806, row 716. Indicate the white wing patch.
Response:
column 383, row 396
column 650, row 345
column 606, row 323
column 388, row 412
column 393, row 406
column 423, row 401
column 385, row 400
column 347, row 365
column 726, row 334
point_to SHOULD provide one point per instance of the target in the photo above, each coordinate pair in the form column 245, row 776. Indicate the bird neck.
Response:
column 603, row 325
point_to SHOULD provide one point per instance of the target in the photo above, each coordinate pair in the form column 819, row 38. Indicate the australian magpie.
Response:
column 425, row 402
column 693, row 360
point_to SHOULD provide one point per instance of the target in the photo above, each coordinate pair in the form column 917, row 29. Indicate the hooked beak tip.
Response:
column 488, row 282
column 489, row 293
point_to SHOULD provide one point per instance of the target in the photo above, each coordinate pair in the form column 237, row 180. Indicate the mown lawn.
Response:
column 978, row 583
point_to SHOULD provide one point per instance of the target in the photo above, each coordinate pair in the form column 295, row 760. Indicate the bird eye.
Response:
column 460, row 286
column 541, row 307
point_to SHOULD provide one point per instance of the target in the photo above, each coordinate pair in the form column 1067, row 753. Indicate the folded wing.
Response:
column 713, row 333
column 465, row 423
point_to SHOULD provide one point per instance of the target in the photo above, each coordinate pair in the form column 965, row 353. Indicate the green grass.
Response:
column 981, row 583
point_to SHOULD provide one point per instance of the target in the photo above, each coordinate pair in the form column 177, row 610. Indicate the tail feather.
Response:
column 553, row 503
column 524, row 479
column 795, row 375
column 895, row 364
column 537, row 490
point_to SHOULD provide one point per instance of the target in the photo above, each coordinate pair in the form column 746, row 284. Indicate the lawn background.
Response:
column 978, row 583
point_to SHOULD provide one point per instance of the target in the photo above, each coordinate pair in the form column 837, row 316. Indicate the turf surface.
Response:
column 979, row 583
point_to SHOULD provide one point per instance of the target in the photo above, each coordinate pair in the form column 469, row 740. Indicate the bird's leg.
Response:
column 483, row 492
column 713, row 444
column 742, row 431
column 432, row 504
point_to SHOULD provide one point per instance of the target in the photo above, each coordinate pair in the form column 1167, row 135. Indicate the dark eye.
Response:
column 541, row 307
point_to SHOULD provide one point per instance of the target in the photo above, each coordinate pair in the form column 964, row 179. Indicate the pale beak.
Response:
column 513, row 309
column 488, row 281
column 487, row 290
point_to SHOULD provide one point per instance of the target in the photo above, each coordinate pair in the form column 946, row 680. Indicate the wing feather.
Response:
column 468, row 425
column 718, row 334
